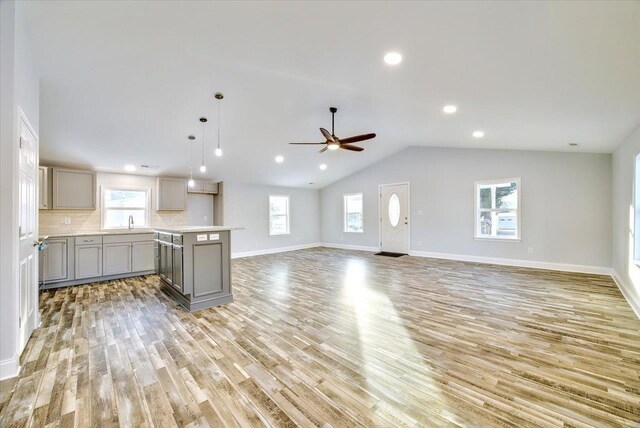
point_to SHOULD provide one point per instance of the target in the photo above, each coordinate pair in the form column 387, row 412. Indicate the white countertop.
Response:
column 96, row 233
column 196, row 229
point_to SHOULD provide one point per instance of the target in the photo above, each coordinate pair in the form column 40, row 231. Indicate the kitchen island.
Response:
column 194, row 264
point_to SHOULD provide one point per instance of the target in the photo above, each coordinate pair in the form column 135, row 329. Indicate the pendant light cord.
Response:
column 202, row 143
column 219, row 113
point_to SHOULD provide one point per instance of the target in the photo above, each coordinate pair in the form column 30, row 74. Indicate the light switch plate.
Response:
column 201, row 237
column 214, row 236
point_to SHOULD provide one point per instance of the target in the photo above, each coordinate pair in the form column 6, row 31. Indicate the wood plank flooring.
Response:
column 326, row 337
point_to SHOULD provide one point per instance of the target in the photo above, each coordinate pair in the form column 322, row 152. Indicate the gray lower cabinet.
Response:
column 116, row 258
column 83, row 259
column 54, row 261
column 73, row 189
column 142, row 256
column 88, row 261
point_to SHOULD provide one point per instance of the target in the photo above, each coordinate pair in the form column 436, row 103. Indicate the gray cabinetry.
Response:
column 44, row 188
column 73, row 189
column 55, row 261
column 116, row 258
column 88, row 261
column 195, row 268
column 142, row 257
column 206, row 187
column 171, row 194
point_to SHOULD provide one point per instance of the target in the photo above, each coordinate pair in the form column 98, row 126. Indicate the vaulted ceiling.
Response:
column 125, row 82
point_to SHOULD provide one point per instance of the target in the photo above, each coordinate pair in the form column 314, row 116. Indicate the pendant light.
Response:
column 191, row 138
column 203, row 167
column 219, row 96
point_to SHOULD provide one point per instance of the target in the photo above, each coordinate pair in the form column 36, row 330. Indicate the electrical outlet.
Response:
column 530, row 250
column 67, row 220
column 205, row 218
column 419, row 243
column 419, row 212
column 255, row 243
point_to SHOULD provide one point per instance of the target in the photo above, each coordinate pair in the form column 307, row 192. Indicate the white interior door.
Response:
column 394, row 218
column 27, row 230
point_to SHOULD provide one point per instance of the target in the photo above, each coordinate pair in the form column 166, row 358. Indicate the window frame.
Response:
column 104, row 208
column 477, row 210
column 287, row 215
column 345, row 213
column 636, row 209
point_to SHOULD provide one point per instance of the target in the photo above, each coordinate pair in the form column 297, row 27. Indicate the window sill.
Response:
column 484, row 238
column 279, row 234
column 352, row 231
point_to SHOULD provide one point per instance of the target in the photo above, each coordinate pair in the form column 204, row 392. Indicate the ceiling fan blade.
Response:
column 323, row 150
column 357, row 138
column 327, row 134
column 307, row 143
column 352, row 148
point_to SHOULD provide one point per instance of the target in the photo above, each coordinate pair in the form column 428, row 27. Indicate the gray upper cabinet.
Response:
column 44, row 188
column 73, row 189
column 207, row 187
column 172, row 194
column 116, row 258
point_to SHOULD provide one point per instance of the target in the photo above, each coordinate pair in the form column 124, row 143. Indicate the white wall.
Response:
column 247, row 205
column 20, row 87
column 566, row 213
column 627, row 273
column 199, row 210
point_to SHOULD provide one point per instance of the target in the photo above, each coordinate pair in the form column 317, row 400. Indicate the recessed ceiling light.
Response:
column 574, row 145
column 279, row 159
column 323, row 166
column 393, row 58
column 449, row 109
column 129, row 168
column 478, row 134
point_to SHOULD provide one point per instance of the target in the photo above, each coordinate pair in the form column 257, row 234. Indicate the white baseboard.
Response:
column 9, row 368
column 350, row 247
column 563, row 267
column 628, row 294
column 241, row 254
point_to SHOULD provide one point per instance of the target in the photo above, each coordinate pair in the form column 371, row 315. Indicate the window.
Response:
column 353, row 221
column 498, row 209
column 278, row 215
column 120, row 203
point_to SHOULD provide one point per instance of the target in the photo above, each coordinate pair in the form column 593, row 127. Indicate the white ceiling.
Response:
column 126, row 82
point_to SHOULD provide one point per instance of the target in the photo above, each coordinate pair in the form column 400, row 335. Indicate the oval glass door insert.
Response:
column 394, row 210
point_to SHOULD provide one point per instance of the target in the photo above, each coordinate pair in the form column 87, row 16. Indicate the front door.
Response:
column 27, row 229
column 394, row 218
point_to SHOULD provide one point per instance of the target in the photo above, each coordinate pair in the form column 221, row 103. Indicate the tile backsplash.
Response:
column 84, row 221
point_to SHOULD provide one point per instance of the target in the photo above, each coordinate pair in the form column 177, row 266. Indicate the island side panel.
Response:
column 207, row 271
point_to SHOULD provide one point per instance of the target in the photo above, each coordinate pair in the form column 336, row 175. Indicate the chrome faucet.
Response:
column 130, row 222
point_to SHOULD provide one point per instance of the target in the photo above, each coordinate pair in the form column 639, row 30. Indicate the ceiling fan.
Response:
column 333, row 143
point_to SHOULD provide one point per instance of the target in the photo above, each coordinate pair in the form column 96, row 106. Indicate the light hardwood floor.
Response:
column 331, row 337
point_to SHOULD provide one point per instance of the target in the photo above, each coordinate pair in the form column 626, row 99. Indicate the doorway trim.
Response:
column 380, row 186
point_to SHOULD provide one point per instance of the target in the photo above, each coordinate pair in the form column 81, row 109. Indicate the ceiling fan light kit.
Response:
column 334, row 143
